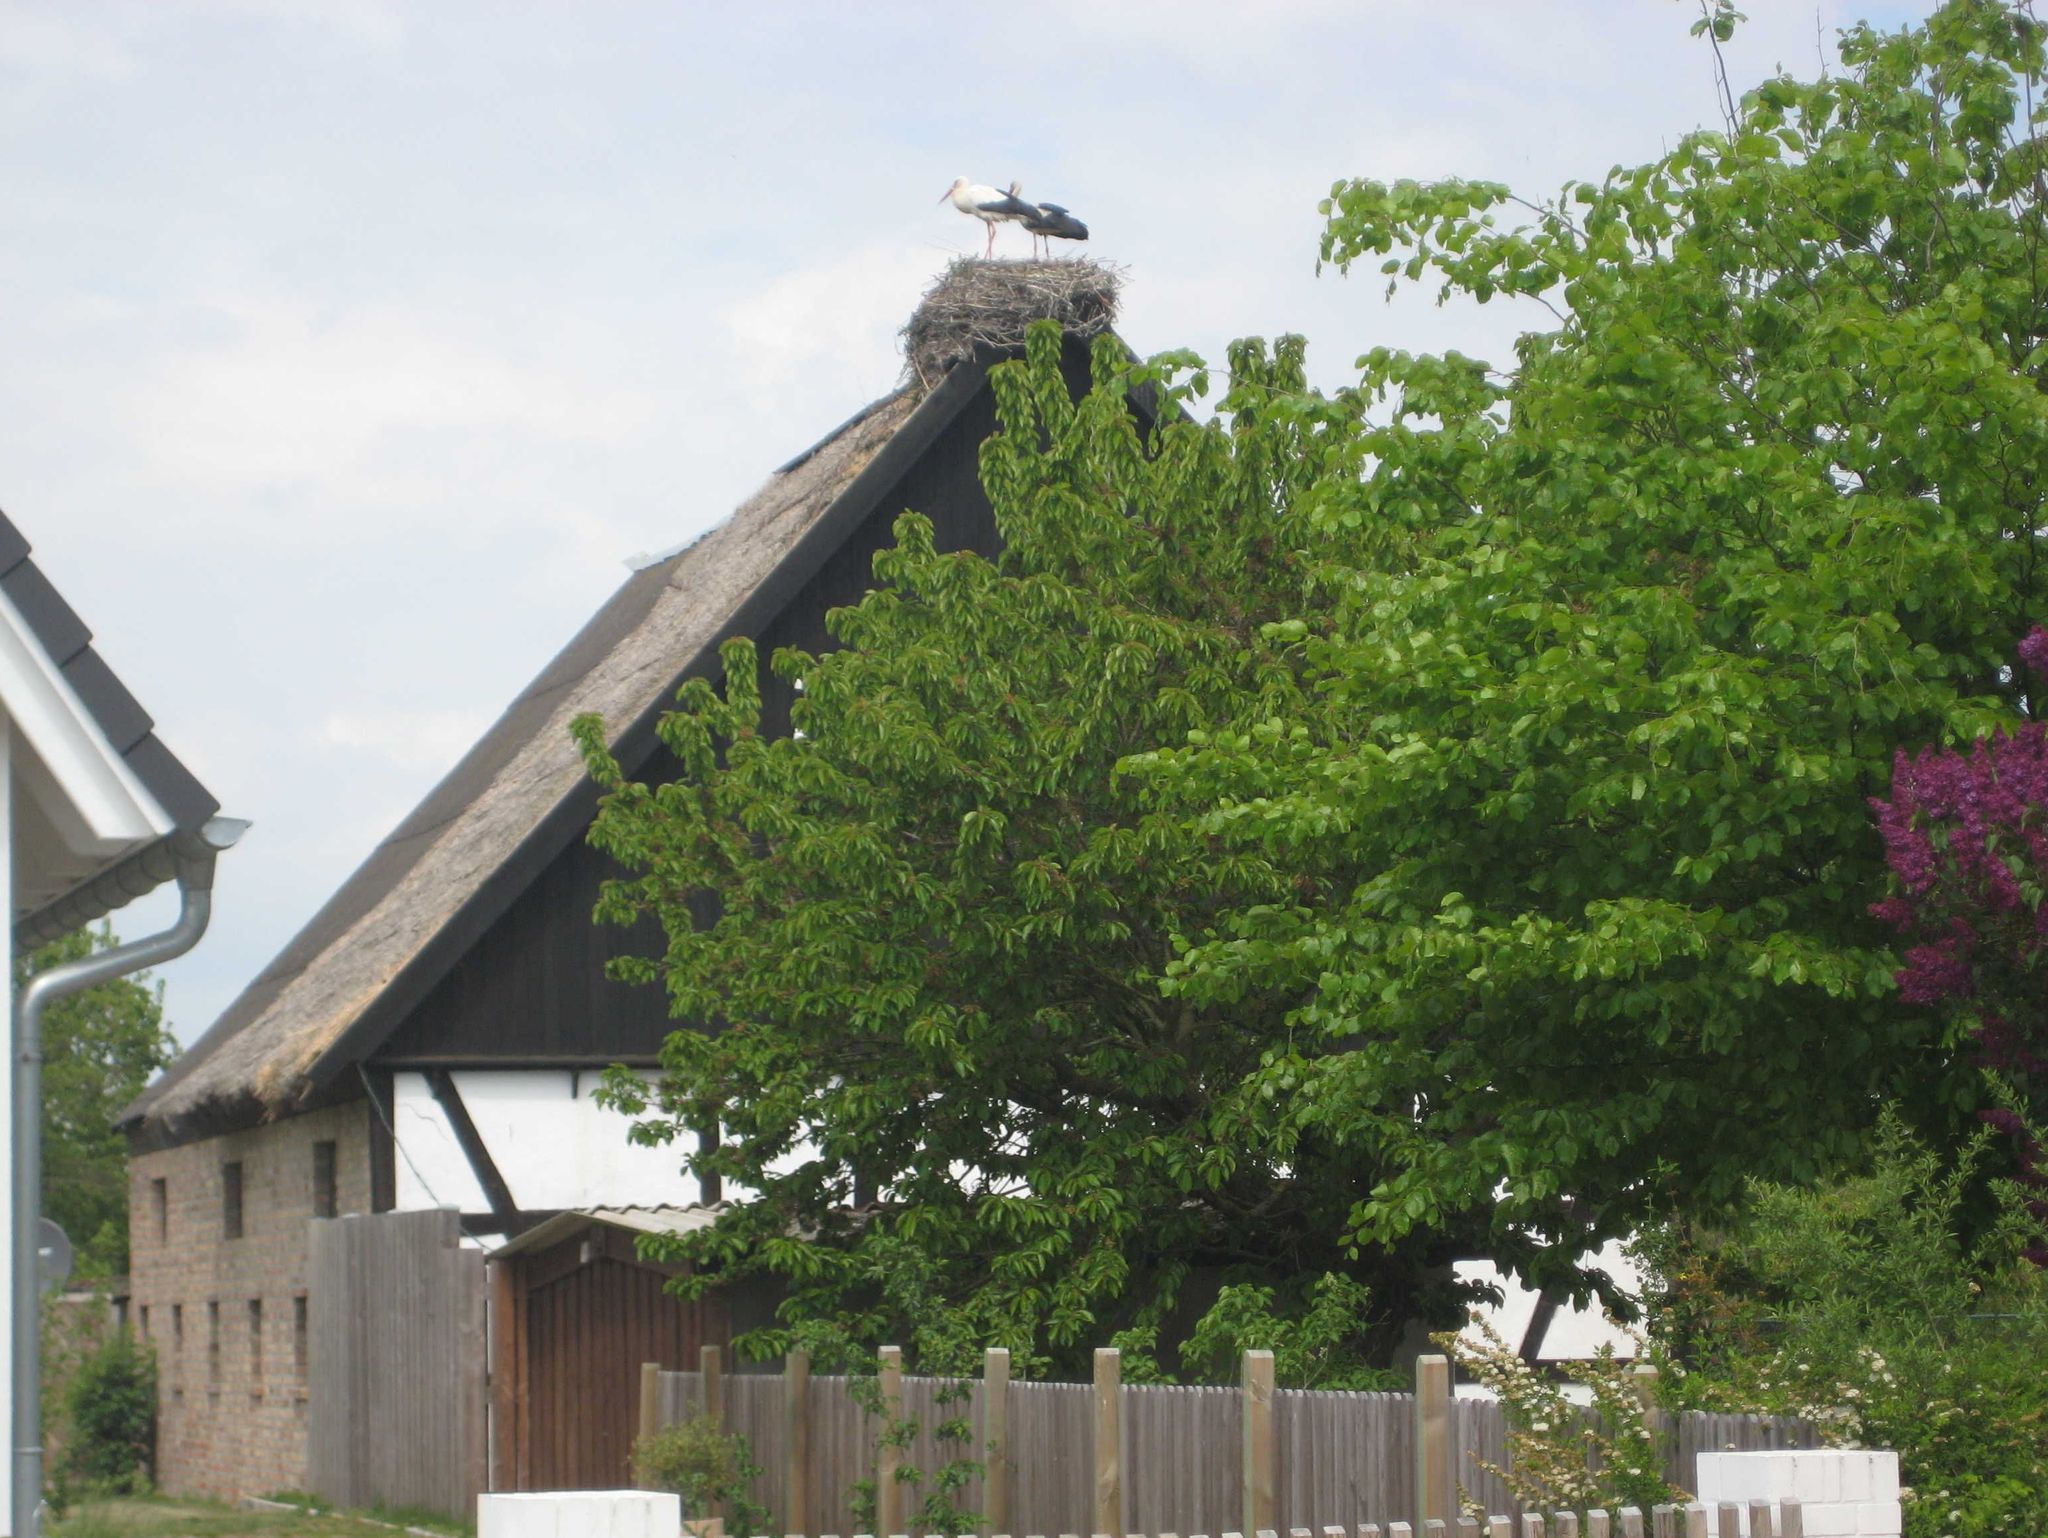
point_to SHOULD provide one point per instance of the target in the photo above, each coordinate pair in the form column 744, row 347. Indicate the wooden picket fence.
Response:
column 1133, row 1459
column 1767, row 1519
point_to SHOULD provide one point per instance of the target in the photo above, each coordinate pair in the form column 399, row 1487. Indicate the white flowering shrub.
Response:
column 1563, row 1456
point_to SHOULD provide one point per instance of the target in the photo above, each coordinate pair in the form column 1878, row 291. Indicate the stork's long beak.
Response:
column 946, row 194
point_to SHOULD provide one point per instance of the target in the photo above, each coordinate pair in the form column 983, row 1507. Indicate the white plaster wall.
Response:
column 1576, row 1334
column 553, row 1143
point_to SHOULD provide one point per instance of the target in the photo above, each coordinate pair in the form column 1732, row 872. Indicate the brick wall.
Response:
column 232, row 1384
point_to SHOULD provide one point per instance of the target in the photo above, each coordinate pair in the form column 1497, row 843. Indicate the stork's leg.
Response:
column 991, row 251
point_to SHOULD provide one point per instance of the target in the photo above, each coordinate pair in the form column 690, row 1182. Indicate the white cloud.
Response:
column 379, row 23
column 827, row 328
column 297, row 393
column 41, row 42
column 413, row 740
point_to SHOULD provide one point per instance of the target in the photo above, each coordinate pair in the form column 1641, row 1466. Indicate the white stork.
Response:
column 1051, row 222
column 988, row 205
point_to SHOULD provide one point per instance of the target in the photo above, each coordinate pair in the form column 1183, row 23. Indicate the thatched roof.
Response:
column 622, row 665
column 521, row 794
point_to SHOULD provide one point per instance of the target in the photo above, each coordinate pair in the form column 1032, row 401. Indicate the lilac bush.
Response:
column 1966, row 837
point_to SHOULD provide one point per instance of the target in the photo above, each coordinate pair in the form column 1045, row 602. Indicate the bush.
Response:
column 707, row 1466
column 1855, row 1305
column 111, row 1404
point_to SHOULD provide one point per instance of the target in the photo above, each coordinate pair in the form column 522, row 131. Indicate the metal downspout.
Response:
column 195, row 859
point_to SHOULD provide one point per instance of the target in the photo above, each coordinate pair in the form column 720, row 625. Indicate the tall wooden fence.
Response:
column 395, row 1362
column 1113, row 1458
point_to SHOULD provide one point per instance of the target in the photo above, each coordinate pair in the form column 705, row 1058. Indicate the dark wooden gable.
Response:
column 531, row 990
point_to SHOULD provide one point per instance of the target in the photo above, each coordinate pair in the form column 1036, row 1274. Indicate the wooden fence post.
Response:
column 1643, row 1379
column 650, row 1402
column 1109, row 1440
column 1763, row 1522
column 889, row 1489
column 1261, row 1452
column 1597, row 1524
column 995, row 1441
column 711, row 1362
column 796, row 1442
column 504, row 1380
column 1436, row 1479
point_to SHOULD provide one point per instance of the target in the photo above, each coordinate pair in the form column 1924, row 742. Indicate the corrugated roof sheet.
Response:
column 638, row 1220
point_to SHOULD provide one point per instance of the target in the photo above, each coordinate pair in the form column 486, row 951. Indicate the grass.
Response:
column 161, row 1517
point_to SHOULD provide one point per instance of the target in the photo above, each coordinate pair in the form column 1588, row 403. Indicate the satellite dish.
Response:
column 53, row 1255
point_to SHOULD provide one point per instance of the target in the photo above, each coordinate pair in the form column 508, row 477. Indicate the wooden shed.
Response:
column 575, row 1312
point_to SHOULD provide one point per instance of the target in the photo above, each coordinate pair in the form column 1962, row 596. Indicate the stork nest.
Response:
column 979, row 305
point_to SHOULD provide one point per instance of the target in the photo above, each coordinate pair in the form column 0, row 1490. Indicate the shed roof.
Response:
column 635, row 1220
column 71, row 899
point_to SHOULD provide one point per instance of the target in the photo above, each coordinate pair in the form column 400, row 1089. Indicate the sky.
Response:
column 350, row 350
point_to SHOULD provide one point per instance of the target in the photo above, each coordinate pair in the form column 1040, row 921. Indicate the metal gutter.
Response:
column 117, row 886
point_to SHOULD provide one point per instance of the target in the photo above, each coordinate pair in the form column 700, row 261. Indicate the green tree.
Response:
column 1359, row 832
column 1628, row 636
column 942, row 917
column 99, row 1048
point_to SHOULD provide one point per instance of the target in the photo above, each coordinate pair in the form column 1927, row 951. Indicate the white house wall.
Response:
column 1576, row 1333
column 552, row 1142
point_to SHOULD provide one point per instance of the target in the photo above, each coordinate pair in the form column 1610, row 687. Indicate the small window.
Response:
column 142, row 1320
column 256, row 1345
column 213, row 1345
column 299, row 1337
column 160, row 1203
column 177, row 1351
column 231, row 1199
column 324, row 1203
